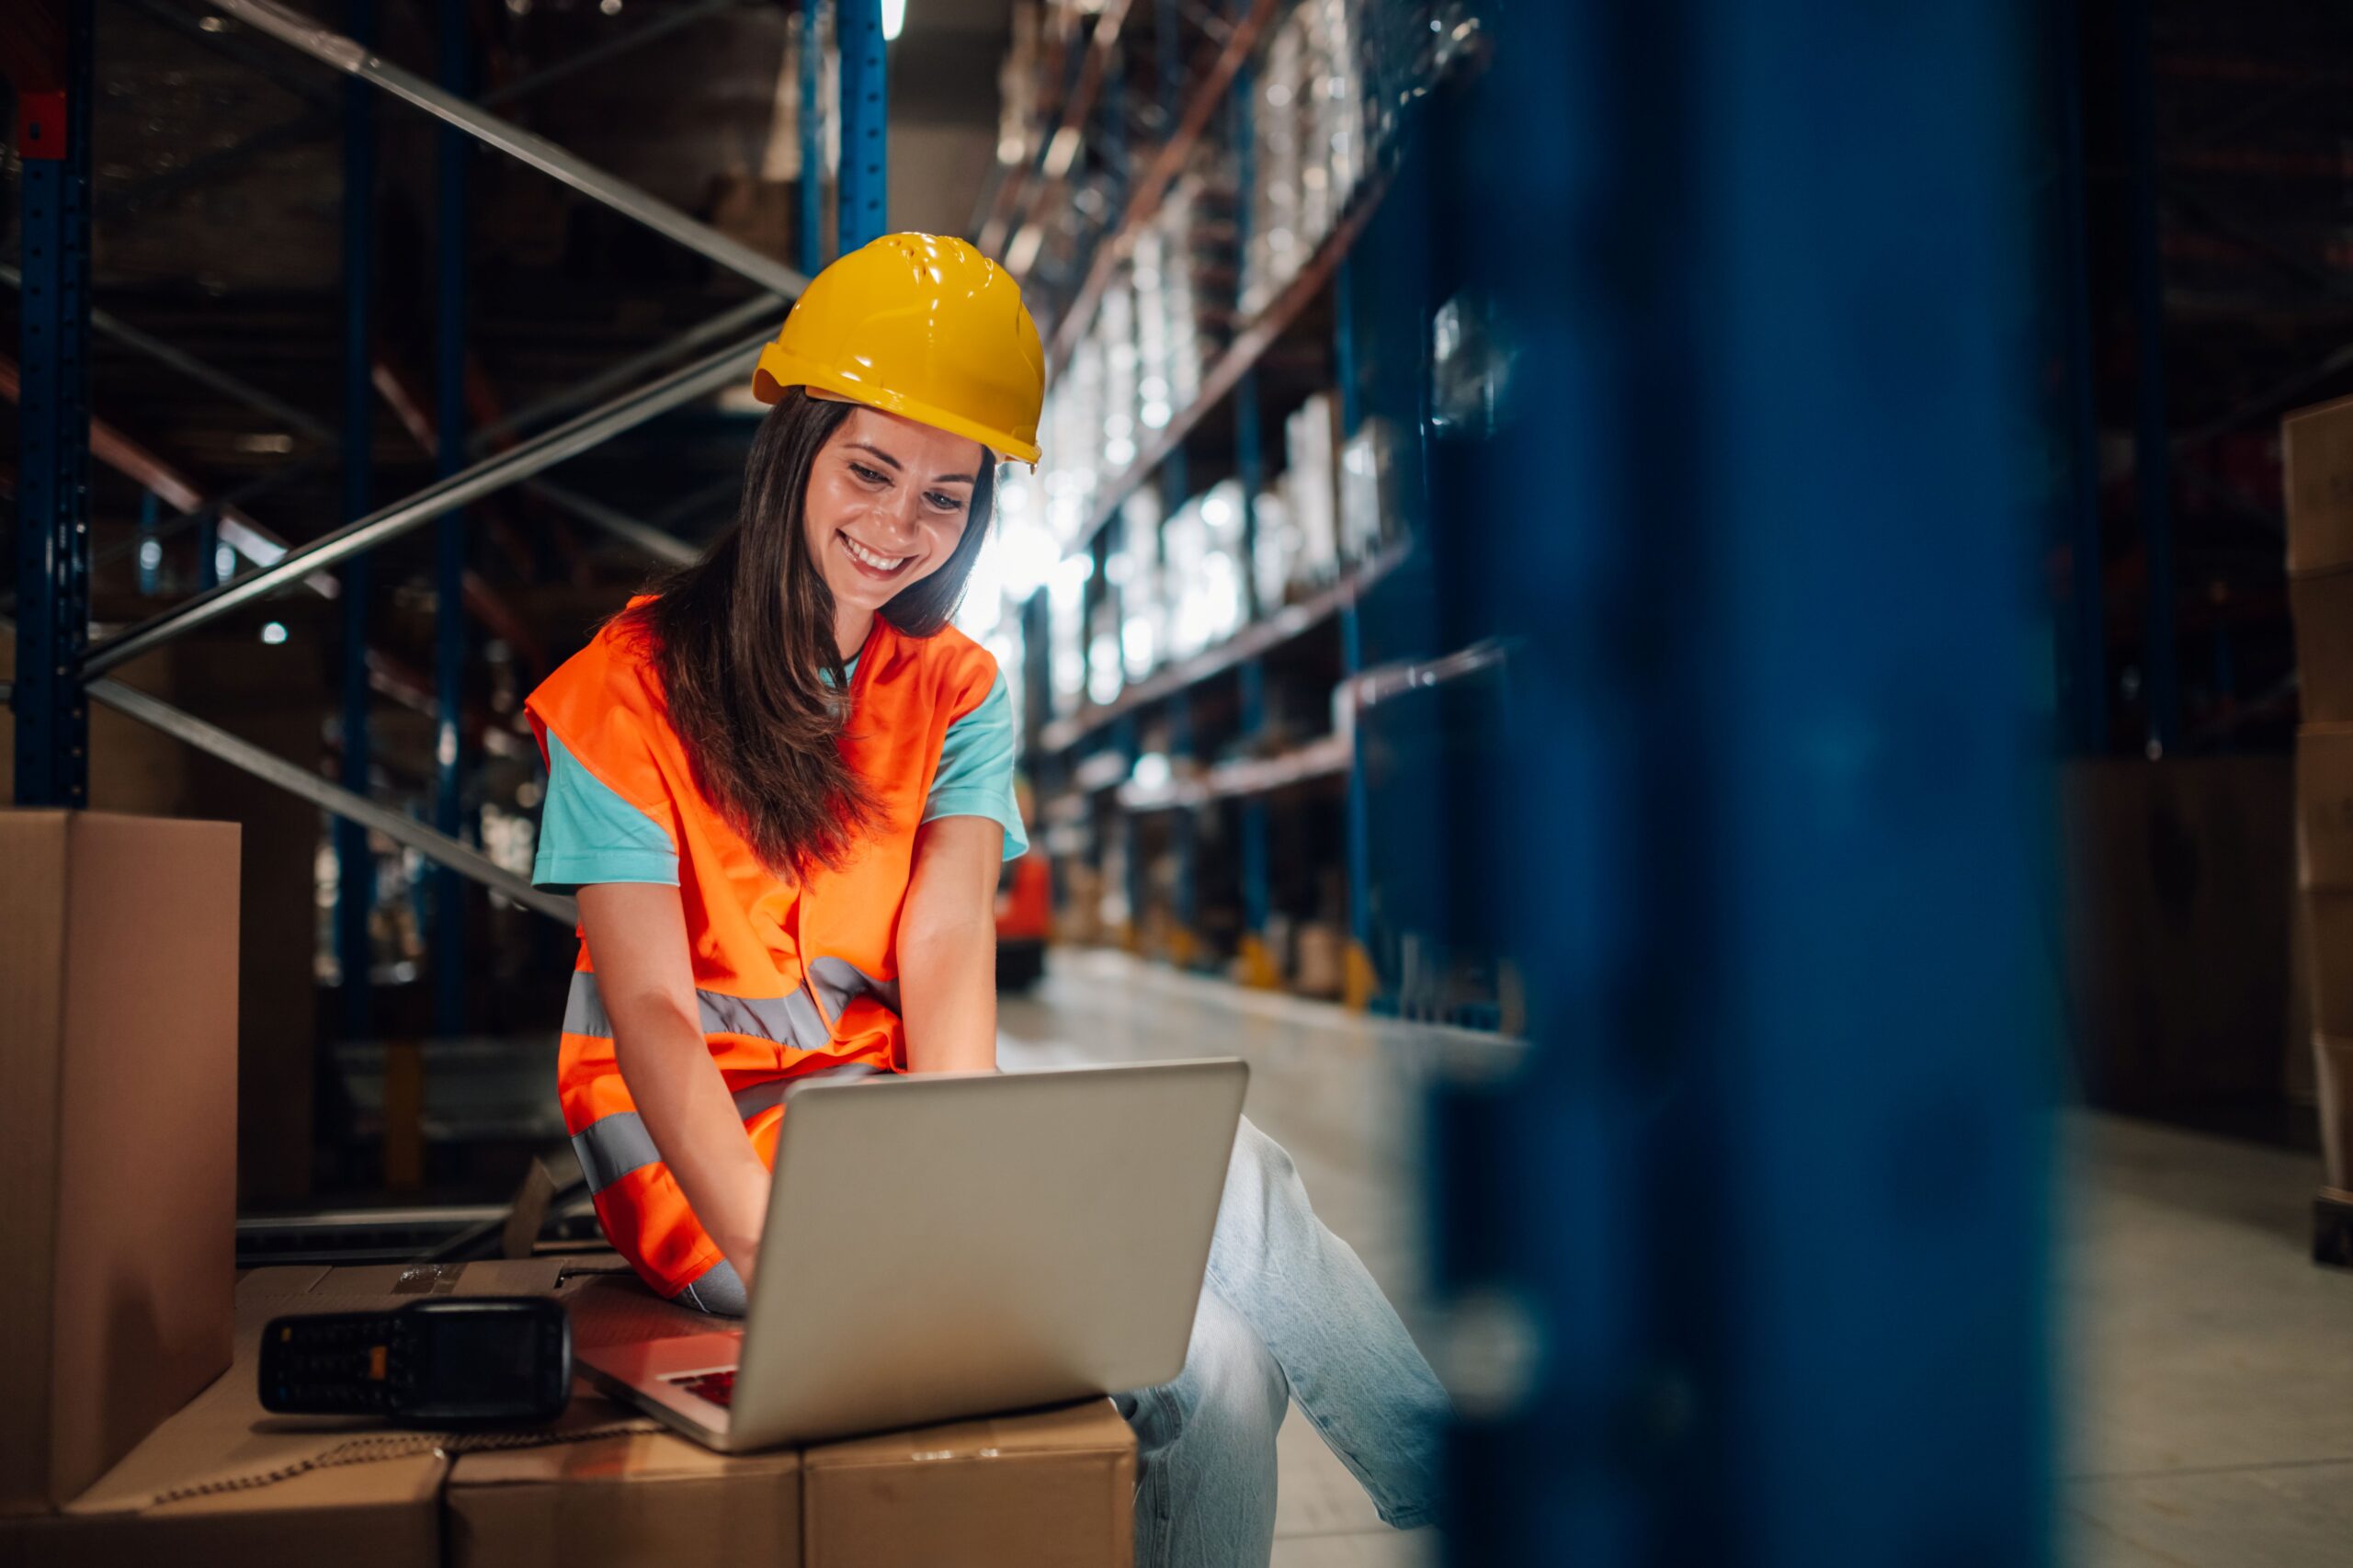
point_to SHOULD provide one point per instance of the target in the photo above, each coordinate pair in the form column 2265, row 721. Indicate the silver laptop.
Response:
column 959, row 1245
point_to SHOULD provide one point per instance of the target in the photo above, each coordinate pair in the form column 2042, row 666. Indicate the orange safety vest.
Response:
column 791, row 978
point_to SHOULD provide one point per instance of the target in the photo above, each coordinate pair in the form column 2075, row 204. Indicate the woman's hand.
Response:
column 636, row 934
column 948, row 947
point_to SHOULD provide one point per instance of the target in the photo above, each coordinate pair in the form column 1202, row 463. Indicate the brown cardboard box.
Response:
column 118, row 1135
column 2180, row 882
column 2321, row 604
column 383, row 1514
column 2317, row 453
column 1036, row 1490
column 646, row 1497
column 2333, row 1066
column 2328, row 932
column 2324, row 806
column 1048, row 1489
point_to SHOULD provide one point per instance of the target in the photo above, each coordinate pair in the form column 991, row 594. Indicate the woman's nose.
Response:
column 896, row 511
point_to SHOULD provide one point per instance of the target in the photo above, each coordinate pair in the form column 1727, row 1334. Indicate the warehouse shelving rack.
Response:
column 1083, row 757
column 50, row 56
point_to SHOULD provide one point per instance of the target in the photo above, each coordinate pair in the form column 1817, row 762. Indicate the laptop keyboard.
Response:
column 717, row 1387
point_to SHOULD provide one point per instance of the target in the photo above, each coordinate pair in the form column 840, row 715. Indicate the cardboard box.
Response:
column 384, row 1513
column 2332, row 1067
column 2321, row 604
column 2328, row 930
column 1046, row 1489
column 2324, row 806
column 117, row 1135
column 612, row 1489
column 2316, row 455
column 2180, row 882
column 645, row 1497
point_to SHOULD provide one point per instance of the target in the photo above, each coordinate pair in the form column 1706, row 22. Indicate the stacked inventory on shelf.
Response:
column 2317, row 452
column 1119, row 587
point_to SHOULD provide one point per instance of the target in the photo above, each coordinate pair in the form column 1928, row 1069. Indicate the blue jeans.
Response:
column 1288, row 1311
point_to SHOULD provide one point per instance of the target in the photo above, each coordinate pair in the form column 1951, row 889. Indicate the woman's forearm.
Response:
column 948, row 948
column 689, row 1114
column 947, row 985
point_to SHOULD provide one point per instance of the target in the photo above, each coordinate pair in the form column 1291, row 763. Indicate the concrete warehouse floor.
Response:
column 2207, row 1366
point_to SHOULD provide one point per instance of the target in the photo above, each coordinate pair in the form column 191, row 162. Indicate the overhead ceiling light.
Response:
column 895, row 17
column 273, row 632
column 1023, row 251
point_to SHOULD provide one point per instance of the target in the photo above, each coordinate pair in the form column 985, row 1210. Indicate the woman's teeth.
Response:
column 879, row 563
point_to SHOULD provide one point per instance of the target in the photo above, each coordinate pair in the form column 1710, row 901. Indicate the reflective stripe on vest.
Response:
column 786, row 1020
column 611, row 1146
column 836, row 983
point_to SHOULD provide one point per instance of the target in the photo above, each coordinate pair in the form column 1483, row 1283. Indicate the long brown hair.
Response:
column 743, row 642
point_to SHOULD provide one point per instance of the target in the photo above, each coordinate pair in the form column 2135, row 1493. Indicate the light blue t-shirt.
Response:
column 588, row 834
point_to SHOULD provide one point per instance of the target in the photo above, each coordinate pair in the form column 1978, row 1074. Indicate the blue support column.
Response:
column 1763, row 1202
column 1258, row 967
column 2152, row 449
column 53, row 722
column 864, row 177
column 355, row 862
column 448, row 904
column 811, row 128
column 1363, row 982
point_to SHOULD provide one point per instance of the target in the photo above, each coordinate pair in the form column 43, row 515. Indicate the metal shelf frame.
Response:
column 50, row 61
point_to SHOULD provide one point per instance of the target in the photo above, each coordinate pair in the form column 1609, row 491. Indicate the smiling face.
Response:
column 887, row 502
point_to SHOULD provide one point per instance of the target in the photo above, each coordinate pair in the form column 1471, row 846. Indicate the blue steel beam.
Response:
column 455, row 147
column 355, row 862
column 863, row 180
column 54, row 432
column 1257, row 870
column 1363, row 980
column 812, row 129
column 1744, row 1263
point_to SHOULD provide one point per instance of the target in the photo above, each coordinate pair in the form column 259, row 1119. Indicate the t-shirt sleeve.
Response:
column 975, row 777
column 588, row 834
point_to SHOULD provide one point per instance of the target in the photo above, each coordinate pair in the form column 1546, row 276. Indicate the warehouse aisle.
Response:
column 1339, row 1093
column 2210, row 1364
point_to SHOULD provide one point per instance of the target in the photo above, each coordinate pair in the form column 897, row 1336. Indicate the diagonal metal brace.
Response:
column 345, row 54
column 520, row 462
column 271, row 768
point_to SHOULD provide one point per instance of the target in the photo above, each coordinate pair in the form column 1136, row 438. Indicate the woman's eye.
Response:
column 945, row 502
column 871, row 476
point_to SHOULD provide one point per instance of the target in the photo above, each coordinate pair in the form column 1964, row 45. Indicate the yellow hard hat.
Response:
column 922, row 325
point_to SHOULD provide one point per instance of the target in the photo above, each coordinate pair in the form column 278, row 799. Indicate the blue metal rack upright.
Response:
column 1744, row 1261
column 864, row 176
column 355, row 860
column 810, row 129
column 53, row 451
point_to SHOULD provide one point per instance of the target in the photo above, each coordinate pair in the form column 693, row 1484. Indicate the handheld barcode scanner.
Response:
column 445, row 1361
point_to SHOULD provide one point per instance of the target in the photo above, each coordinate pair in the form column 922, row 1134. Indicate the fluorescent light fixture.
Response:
column 895, row 17
column 1023, row 251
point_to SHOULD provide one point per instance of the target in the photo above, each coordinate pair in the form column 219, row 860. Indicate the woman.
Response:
column 782, row 787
